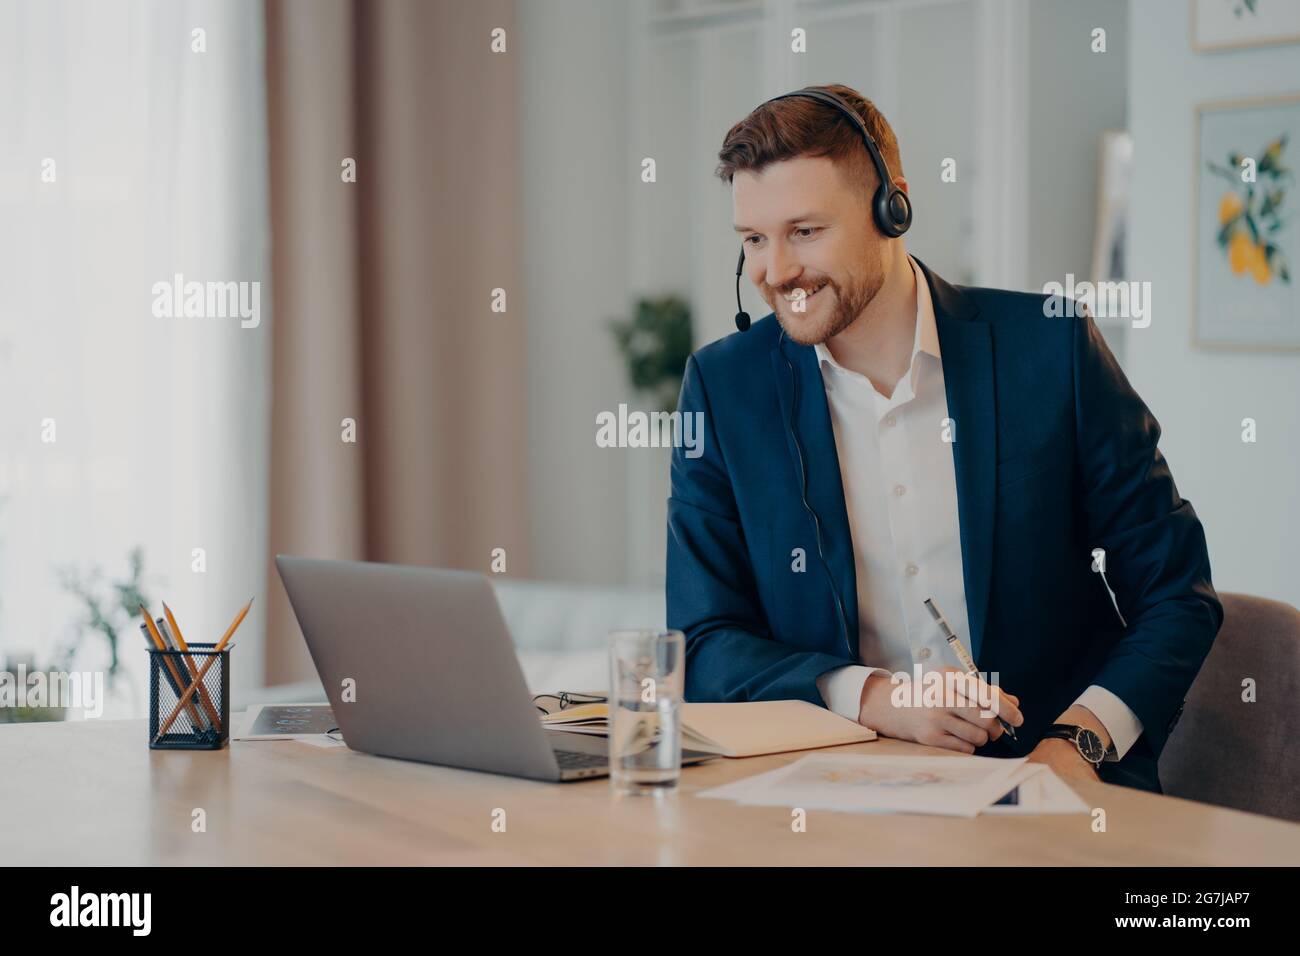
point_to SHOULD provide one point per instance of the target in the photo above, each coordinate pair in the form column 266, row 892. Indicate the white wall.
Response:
column 577, row 171
column 1074, row 94
column 1245, row 494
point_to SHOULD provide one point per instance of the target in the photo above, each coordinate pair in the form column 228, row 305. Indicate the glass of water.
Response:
column 646, row 671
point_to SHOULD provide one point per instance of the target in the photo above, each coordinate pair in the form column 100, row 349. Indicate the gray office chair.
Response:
column 1231, row 753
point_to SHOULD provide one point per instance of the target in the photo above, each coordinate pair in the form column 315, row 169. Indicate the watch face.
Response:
column 1090, row 745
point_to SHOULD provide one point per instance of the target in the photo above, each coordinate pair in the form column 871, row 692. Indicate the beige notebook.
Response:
column 736, row 730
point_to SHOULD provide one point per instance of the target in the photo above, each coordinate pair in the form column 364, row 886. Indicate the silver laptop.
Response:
column 433, row 668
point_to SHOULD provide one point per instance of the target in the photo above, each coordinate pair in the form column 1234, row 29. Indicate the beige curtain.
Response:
column 382, row 291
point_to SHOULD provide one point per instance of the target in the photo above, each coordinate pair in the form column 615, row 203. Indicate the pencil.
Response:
column 170, row 664
column 234, row 625
column 189, row 662
column 198, row 680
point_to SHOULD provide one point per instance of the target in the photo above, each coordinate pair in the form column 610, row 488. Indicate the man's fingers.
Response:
column 1008, row 712
column 974, row 690
column 974, row 734
column 939, row 737
column 949, row 742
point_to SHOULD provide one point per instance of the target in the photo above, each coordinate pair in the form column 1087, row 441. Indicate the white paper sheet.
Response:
column 1041, row 792
column 954, row 786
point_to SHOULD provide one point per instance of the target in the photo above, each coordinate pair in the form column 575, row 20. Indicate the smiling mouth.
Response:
column 808, row 296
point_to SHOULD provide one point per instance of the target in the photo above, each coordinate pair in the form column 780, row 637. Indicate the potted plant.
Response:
column 110, row 609
column 655, row 344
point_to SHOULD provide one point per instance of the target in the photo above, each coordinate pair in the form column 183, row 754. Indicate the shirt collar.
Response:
column 925, row 340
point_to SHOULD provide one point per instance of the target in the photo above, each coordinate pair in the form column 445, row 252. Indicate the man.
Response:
column 884, row 437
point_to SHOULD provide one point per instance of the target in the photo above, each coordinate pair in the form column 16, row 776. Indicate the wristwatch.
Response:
column 1089, row 744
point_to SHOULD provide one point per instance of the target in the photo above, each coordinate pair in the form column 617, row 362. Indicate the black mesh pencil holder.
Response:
column 203, row 720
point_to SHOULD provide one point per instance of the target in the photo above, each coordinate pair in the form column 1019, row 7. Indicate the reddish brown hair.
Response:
column 799, row 126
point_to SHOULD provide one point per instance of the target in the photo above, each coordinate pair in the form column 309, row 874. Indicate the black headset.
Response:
column 803, row 494
column 890, row 207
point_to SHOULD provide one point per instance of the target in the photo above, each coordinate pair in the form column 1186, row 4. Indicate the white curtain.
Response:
column 160, row 425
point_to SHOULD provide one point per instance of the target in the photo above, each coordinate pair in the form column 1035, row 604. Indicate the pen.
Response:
column 960, row 651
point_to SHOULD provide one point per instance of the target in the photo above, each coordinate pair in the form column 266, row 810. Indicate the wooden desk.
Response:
column 92, row 792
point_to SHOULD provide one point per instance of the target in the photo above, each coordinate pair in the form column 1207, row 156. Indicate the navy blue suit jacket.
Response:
column 1055, row 455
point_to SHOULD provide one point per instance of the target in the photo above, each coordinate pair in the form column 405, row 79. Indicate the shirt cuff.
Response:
column 841, row 688
column 1115, row 715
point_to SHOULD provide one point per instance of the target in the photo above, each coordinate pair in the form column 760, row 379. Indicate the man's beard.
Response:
column 844, row 308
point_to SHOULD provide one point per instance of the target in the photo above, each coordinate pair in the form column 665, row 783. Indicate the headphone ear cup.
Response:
column 901, row 207
column 893, row 211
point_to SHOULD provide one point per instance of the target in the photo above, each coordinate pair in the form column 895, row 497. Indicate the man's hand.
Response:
column 957, row 727
column 1062, row 755
column 1064, row 758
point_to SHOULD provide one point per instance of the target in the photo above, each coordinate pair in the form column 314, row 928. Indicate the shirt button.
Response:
column 911, row 569
column 899, row 491
column 923, row 654
column 890, row 420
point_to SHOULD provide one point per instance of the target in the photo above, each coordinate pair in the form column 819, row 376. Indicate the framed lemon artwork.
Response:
column 1245, row 253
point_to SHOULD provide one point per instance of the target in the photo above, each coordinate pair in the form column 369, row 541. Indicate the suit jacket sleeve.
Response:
column 1156, row 558
column 712, row 593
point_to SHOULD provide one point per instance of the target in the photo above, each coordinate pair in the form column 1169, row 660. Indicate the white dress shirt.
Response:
column 900, row 491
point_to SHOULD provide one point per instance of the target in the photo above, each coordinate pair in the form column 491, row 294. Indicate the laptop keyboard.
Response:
column 573, row 759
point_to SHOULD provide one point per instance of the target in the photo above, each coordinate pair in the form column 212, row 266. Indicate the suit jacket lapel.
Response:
column 967, row 350
column 803, row 394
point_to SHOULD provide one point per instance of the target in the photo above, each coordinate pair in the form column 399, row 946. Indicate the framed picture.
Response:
column 1233, row 24
column 1244, row 245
